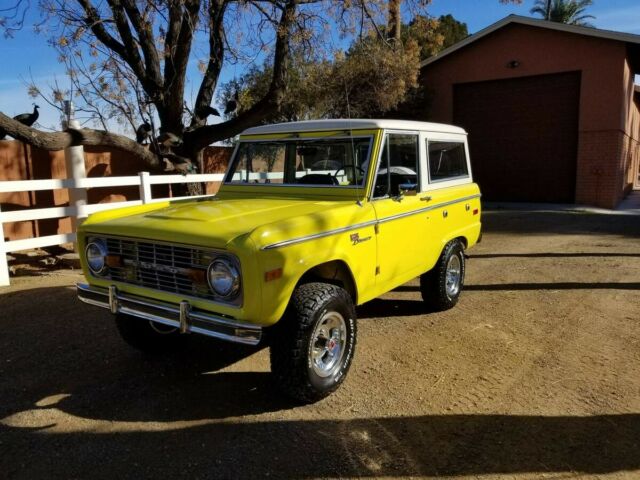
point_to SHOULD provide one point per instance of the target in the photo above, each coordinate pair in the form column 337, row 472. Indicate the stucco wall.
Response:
column 604, row 94
column 631, row 106
column 633, row 178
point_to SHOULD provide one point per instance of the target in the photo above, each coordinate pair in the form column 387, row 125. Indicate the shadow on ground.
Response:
column 369, row 447
column 77, row 402
column 555, row 255
column 78, row 350
column 411, row 306
column 384, row 307
column 560, row 222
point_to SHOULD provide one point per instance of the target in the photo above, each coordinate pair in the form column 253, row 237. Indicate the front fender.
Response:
column 297, row 259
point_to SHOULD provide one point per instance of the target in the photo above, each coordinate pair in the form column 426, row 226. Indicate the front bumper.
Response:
column 181, row 316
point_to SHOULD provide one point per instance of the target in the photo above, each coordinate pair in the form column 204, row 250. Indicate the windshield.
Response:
column 326, row 162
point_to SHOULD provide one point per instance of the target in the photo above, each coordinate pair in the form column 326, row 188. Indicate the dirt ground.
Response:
column 535, row 374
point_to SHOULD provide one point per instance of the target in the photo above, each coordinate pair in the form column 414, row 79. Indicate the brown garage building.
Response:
column 552, row 111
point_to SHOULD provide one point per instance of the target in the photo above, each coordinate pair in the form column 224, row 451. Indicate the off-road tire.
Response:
column 291, row 342
column 433, row 284
column 140, row 334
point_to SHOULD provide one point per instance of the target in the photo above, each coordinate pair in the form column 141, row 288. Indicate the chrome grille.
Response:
column 170, row 268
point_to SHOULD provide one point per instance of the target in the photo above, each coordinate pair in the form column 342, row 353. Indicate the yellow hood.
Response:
column 212, row 221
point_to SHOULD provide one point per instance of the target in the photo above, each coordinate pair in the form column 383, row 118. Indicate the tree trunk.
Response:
column 394, row 21
column 200, row 165
column 191, row 163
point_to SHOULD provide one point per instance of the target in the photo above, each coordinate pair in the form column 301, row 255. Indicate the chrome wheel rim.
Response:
column 453, row 275
column 328, row 344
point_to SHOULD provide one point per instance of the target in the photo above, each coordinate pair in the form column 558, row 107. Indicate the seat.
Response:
column 318, row 179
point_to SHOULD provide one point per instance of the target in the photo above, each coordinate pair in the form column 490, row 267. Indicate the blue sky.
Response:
column 27, row 55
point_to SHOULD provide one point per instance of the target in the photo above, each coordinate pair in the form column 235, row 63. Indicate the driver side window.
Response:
column 399, row 165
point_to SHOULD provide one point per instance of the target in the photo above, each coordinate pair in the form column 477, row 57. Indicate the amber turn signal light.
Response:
column 113, row 261
column 273, row 274
column 197, row 276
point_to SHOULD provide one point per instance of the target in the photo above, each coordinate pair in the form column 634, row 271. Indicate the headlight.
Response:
column 224, row 277
column 96, row 253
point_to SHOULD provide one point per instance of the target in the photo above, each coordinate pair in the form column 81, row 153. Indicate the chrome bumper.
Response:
column 181, row 316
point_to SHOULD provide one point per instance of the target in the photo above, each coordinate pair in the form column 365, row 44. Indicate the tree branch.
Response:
column 178, row 48
column 131, row 44
column 85, row 136
column 216, row 58
column 127, row 51
column 144, row 29
column 203, row 136
column 95, row 23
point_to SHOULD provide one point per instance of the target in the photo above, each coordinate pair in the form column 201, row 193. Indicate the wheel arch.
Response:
column 460, row 237
column 336, row 272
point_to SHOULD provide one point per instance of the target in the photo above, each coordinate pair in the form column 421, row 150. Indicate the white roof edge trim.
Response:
column 353, row 124
column 535, row 22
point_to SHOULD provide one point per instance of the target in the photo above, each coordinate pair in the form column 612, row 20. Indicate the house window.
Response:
column 447, row 161
column 399, row 165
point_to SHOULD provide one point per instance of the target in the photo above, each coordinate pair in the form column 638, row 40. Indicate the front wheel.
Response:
column 442, row 285
column 313, row 344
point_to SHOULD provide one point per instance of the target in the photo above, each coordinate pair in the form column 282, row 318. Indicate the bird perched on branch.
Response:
column 232, row 104
column 28, row 119
column 143, row 133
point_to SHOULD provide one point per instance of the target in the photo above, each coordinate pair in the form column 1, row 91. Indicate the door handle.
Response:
column 425, row 199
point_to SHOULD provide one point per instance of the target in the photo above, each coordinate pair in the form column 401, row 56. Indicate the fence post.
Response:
column 4, row 266
column 145, row 187
column 74, row 161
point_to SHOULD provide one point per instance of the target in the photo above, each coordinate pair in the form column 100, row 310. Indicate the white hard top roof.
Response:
column 353, row 124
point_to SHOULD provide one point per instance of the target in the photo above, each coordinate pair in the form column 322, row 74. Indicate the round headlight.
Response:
column 96, row 253
column 224, row 278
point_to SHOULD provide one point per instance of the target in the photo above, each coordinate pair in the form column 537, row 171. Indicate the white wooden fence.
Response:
column 79, row 210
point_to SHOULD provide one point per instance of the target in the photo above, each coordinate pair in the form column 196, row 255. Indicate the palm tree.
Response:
column 571, row 12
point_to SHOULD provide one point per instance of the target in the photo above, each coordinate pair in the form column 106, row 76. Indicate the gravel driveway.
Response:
column 535, row 374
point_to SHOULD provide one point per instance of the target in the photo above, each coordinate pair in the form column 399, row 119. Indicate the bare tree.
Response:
column 128, row 60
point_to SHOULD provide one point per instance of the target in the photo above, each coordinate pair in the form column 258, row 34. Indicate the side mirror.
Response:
column 408, row 189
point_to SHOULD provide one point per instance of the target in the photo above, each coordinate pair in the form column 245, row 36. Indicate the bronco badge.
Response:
column 355, row 238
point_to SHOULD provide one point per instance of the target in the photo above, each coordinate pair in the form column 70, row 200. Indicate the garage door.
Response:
column 523, row 136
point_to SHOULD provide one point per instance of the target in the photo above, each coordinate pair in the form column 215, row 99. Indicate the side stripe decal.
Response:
column 328, row 233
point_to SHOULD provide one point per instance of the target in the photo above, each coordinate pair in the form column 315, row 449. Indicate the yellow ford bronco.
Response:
column 312, row 219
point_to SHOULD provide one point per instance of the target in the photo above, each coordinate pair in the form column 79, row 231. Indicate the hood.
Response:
column 211, row 221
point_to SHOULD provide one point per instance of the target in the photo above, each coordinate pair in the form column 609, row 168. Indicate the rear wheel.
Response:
column 442, row 285
column 147, row 336
column 313, row 344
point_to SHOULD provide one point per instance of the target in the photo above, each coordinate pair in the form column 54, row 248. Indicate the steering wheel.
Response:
column 335, row 175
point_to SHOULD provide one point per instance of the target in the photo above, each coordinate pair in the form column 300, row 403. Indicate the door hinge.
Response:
column 378, row 270
column 376, row 228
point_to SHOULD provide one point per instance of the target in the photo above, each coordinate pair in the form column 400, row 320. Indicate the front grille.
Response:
column 170, row 268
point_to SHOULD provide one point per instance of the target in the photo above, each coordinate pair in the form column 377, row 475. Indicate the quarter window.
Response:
column 399, row 165
column 447, row 161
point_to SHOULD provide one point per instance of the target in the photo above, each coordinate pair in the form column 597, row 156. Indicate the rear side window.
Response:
column 447, row 161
